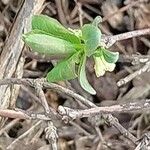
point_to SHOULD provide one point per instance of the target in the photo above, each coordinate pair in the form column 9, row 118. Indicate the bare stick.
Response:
column 60, row 11
column 40, row 93
column 123, row 108
column 110, row 40
column 13, row 114
column 20, row 114
column 31, row 82
column 112, row 120
column 13, row 48
column 134, row 59
column 125, row 80
column 51, row 133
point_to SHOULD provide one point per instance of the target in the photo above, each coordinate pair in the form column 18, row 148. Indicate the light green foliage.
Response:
column 54, row 28
column 110, row 57
column 64, row 70
column 83, row 79
column 50, row 45
column 92, row 37
column 104, row 61
column 49, row 37
column 96, row 21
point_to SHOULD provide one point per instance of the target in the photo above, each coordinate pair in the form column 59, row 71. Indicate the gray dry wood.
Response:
column 11, row 53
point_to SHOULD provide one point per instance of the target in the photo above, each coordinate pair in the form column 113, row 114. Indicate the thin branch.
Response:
column 112, row 120
column 40, row 93
column 60, row 11
column 20, row 114
column 110, row 40
column 131, row 34
column 134, row 59
column 31, row 82
column 123, row 108
column 35, row 83
column 13, row 114
column 13, row 48
column 145, row 68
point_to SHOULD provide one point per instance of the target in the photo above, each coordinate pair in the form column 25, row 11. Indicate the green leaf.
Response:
column 83, row 79
column 53, row 27
column 97, row 20
column 49, row 45
column 36, row 31
column 98, row 52
column 64, row 70
column 110, row 57
column 92, row 37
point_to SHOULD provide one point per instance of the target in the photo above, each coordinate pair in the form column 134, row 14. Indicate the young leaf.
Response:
column 101, row 66
column 110, row 57
column 97, row 20
column 53, row 27
column 36, row 31
column 91, row 36
column 64, row 70
column 83, row 79
column 98, row 52
column 49, row 45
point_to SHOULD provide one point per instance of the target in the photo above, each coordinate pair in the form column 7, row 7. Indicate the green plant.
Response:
column 49, row 37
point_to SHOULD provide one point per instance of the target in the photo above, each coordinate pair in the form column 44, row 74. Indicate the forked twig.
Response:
column 122, row 108
column 112, row 120
column 110, row 40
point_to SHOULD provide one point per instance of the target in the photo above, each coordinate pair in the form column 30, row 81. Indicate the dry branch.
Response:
column 140, row 105
column 10, row 62
column 109, row 118
column 22, row 114
column 145, row 68
column 110, row 40
column 13, row 48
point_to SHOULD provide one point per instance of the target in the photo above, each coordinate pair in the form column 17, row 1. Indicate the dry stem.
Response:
column 112, row 120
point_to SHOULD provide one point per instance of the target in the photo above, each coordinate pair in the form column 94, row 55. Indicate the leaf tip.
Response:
column 93, row 92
